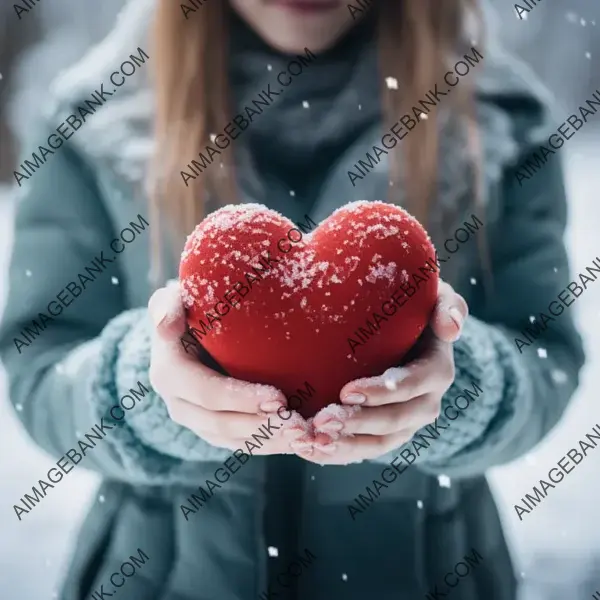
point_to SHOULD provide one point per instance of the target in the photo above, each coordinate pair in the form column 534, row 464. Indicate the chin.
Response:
column 290, row 44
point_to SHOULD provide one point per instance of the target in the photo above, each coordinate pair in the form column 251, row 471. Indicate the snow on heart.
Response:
column 277, row 306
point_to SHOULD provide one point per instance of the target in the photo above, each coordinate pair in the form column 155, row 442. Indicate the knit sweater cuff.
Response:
column 481, row 404
column 146, row 438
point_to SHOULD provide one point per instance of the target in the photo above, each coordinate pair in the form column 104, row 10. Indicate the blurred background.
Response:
column 556, row 548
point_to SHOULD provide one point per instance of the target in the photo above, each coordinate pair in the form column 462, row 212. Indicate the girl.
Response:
column 357, row 508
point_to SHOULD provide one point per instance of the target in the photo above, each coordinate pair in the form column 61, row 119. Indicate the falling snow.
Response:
column 559, row 376
column 473, row 281
column 272, row 551
column 444, row 481
column 114, row 280
column 344, row 577
column 305, row 104
column 542, row 353
column 28, row 273
column 420, row 504
column 392, row 83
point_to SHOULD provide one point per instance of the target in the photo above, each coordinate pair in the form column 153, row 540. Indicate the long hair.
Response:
column 416, row 40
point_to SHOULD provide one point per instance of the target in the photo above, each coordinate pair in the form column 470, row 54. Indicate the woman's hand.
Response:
column 221, row 410
column 396, row 404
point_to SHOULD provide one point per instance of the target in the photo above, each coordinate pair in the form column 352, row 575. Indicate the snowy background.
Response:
column 556, row 547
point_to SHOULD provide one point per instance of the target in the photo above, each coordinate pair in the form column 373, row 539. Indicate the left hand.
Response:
column 396, row 404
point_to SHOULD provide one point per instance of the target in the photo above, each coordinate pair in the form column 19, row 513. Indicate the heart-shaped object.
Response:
column 309, row 311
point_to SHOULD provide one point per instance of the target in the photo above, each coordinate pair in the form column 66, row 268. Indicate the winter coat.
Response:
column 401, row 540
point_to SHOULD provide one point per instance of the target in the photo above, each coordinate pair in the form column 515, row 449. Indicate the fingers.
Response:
column 355, row 449
column 223, row 424
column 175, row 373
column 432, row 371
column 449, row 313
column 385, row 420
column 266, row 448
column 203, row 387
column 167, row 312
column 267, row 434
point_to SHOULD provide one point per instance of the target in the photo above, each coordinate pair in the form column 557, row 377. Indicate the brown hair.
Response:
column 416, row 40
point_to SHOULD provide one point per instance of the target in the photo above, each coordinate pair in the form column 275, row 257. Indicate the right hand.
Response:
column 221, row 410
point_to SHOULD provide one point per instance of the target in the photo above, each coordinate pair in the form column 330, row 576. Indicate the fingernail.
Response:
column 332, row 426
column 354, row 398
column 270, row 406
column 301, row 446
column 456, row 316
column 327, row 448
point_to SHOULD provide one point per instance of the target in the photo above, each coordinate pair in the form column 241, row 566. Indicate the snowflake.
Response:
column 444, row 481
column 273, row 551
column 392, row 83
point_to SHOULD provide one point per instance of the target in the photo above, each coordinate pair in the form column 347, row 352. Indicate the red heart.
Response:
column 307, row 298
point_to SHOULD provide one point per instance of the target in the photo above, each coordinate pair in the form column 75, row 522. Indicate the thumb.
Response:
column 167, row 312
column 449, row 314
